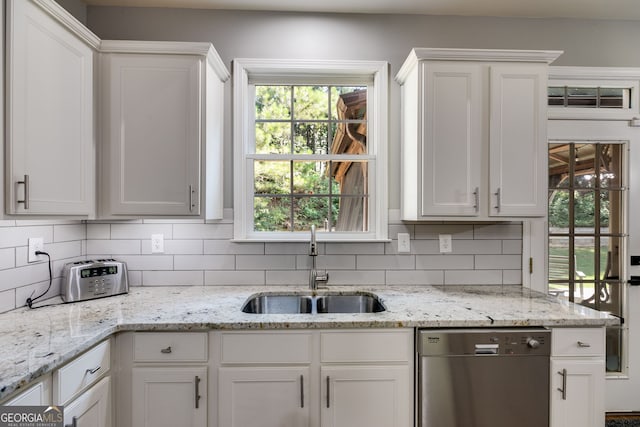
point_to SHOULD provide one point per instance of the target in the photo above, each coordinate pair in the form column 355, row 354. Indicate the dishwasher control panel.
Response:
column 503, row 342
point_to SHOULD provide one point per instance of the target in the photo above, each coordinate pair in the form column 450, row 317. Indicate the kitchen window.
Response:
column 310, row 148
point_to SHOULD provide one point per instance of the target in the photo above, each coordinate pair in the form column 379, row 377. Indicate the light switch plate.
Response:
column 404, row 243
column 157, row 243
column 445, row 243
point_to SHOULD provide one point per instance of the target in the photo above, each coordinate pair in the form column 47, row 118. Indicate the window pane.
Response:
column 311, row 178
column 272, row 213
column 311, row 138
column 584, row 209
column 559, row 209
column 611, row 97
column 273, row 138
column 558, row 258
column 582, row 97
column 350, row 177
column 273, row 102
column 348, row 102
column 271, row 177
column 311, row 103
column 349, row 138
column 309, row 211
column 611, row 165
column 350, row 215
column 558, row 165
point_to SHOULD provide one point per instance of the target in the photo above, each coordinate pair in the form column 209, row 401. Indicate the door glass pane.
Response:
column 610, row 259
column 584, row 208
column 611, row 165
column 614, row 349
column 558, row 165
column 584, row 165
column 559, row 211
column 558, row 258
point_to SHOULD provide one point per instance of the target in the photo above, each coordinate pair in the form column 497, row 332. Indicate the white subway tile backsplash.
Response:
column 7, row 258
column 224, row 247
column 140, row 231
column 444, row 262
column 176, row 247
column 199, row 253
column 204, row 262
column 386, row 262
column 66, row 233
column 202, row 231
column 113, row 247
column 232, row 277
column 495, row 262
column 265, row 262
column 98, row 231
column 172, row 278
column 415, row 277
column 32, row 291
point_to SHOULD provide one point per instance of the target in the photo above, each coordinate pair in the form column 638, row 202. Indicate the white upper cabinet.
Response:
column 474, row 134
column 161, row 138
column 50, row 144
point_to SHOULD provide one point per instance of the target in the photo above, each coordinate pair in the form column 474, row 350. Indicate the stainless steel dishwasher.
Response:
column 483, row 378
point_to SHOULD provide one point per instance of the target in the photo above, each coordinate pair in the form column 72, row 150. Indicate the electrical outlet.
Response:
column 157, row 243
column 35, row 244
column 445, row 243
column 404, row 243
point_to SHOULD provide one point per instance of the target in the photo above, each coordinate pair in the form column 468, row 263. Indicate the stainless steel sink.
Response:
column 313, row 304
column 349, row 304
column 278, row 304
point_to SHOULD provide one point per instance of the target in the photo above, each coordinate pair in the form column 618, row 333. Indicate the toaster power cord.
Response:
column 30, row 300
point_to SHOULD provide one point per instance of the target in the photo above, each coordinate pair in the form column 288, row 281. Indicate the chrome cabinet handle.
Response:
column 92, row 371
column 583, row 344
column 476, row 199
column 191, row 203
column 166, row 350
column 74, row 422
column 328, row 392
column 563, row 390
column 25, row 181
column 302, row 391
column 497, row 194
column 197, row 392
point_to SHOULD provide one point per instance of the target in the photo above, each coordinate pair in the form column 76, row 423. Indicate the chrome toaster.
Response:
column 83, row 280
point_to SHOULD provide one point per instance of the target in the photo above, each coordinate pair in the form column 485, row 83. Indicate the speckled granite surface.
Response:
column 34, row 342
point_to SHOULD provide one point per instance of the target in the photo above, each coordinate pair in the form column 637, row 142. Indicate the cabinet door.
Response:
column 582, row 402
column 92, row 408
column 151, row 136
column 49, row 116
column 518, row 140
column 452, row 139
column 169, row 397
column 277, row 397
column 375, row 396
column 37, row 394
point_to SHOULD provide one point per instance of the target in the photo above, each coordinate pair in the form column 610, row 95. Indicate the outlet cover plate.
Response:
column 157, row 243
column 445, row 243
column 404, row 243
column 35, row 244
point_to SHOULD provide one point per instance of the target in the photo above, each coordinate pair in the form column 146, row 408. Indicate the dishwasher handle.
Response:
column 486, row 348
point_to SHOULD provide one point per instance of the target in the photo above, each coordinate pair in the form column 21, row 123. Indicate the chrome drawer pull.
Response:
column 476, row 199
column 166, row 350
column 302, row 391
column 563, row 390
column 328, row 395
column 25, row 181
column 197, row 391
column 92, row 371
column 497, row 194
column 583, row 344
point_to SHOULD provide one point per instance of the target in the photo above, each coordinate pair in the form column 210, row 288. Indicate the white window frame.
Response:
column 250, row 72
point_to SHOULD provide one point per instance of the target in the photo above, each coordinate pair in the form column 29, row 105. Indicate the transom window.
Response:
column 309, row 146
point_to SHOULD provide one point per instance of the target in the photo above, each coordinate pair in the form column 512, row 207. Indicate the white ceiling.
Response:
column 588, row 9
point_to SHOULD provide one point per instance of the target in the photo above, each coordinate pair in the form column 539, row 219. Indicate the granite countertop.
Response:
column 34, row 342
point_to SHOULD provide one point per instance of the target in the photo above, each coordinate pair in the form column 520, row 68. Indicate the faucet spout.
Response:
column 314, row 275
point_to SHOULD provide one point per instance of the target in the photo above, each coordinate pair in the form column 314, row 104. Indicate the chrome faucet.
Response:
column 314, row 275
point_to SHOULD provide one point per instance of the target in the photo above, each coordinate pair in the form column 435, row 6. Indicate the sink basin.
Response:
column 349, row 304
column 278, row 304
column 313, row 304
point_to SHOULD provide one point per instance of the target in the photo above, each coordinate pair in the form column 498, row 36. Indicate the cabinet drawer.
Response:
column 578, row 342
column 266, row 347
column 362, row 346
column 170, row 347
column 82, row 372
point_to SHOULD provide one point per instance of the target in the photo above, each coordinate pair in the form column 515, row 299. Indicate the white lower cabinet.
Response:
column 577, row 377
column 36, row 394
column 371, row 396
column 348, row 378
column 92, row 408
column 169, row 397
column 276, row 396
